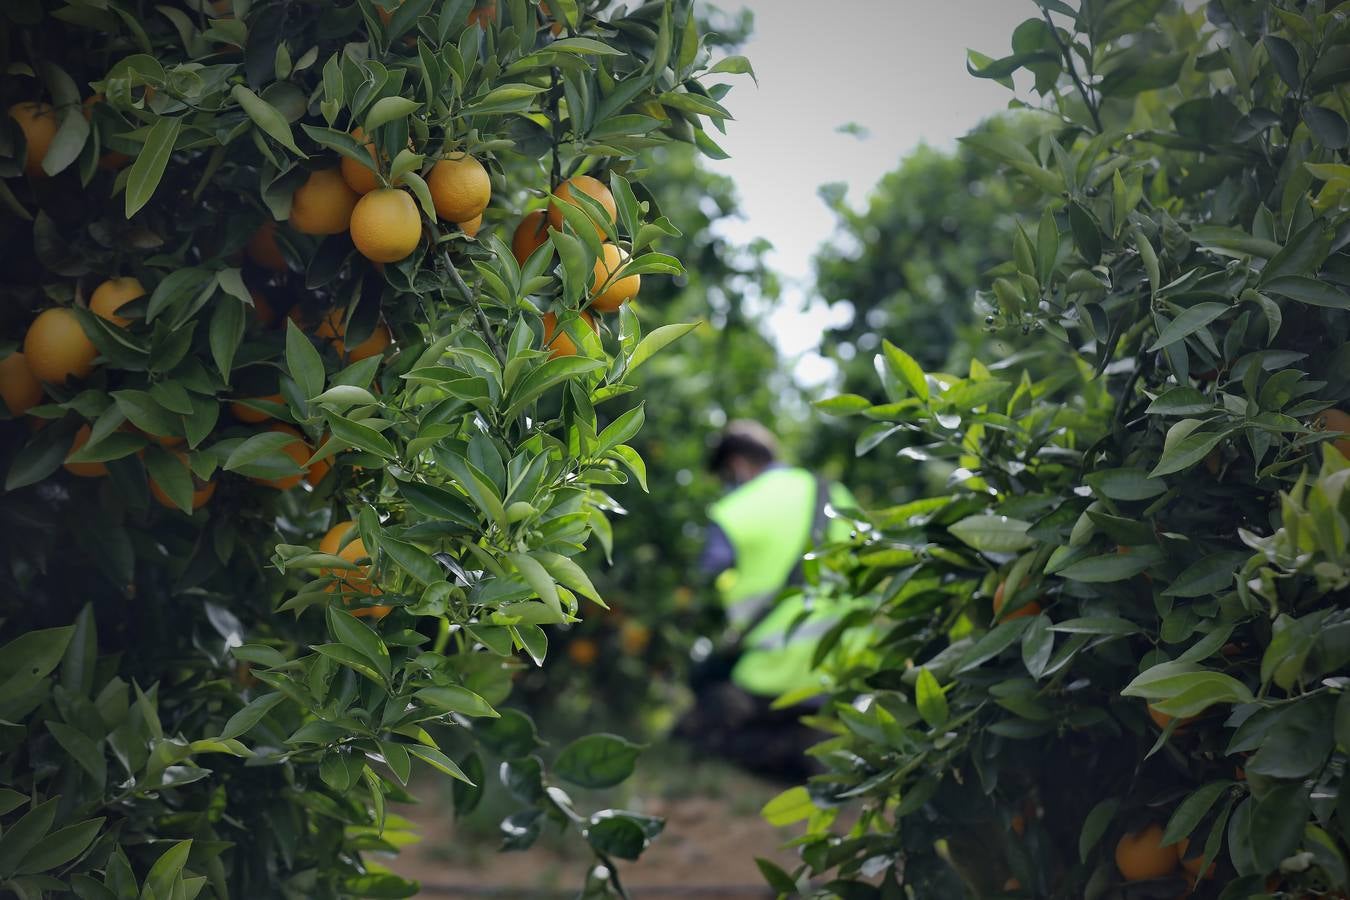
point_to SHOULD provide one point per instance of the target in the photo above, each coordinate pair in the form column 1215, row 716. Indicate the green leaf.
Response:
column 1190, row 321
column 260, row 456
column 20, row 838
column 413, row 560
column 1308, row 290
column 930, row 699
column 251, row 714
column 1185, row 689
column 456, row 699
column 992, row 534
column 355, row 434
column 1095, row 824
column 1187, row 452
column 617, row 836
column 439, row 761
column 166, row 870
column 82, row 748
column 991, row 644
column 303, row 362
column 267, row 118
column 903, row 366
column 352, row 632
column 1190, row 811
column 148, row 169
column 1125, row 484
column 537, row 577
column 1096, row 625
column 791, row 806
column 656, row 341
column 61, row 846
column 387, row 109
column 597, row 761
column 227, row 330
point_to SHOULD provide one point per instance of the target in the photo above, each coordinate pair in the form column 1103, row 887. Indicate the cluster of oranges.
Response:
column 610, row 290
column 384, row 222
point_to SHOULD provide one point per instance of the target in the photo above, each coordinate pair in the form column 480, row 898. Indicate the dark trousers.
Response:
column 746, row 730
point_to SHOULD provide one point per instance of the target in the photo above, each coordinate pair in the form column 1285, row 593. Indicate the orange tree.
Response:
column 299, row 444
column 1111, row 659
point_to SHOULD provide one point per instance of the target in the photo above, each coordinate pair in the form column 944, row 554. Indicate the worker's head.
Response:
column 742, row 451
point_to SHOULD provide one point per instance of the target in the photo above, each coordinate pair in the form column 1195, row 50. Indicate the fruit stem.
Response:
column 472, row 300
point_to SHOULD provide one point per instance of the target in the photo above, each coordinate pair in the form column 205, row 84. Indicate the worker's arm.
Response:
column 718, row 554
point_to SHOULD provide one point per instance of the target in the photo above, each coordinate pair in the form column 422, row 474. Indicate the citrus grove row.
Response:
column 1110, row 651
column 303, row 377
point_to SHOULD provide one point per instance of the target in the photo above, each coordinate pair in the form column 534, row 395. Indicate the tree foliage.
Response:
column 214, row 685
column 1127, row 608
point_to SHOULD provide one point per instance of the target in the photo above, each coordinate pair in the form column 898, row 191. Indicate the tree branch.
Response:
column 1073, row 71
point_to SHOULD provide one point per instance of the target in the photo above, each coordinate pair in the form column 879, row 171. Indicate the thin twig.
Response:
column 1073, row 71
column 472, row 300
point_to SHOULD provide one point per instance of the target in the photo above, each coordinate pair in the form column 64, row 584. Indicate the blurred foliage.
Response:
column 1114, row 643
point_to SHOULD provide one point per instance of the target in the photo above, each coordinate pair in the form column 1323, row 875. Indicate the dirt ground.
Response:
column 707, row 852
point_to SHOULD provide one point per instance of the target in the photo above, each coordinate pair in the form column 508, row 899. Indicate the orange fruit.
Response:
column 333, row 328
column 611, row 290
column 38, row 123
column 483, row 15
column 202, row 491
column 386, row 225
column 561, row 344
column 298, row 451
column 1162, row 719
column 1334, row 420
column 472, row 227
column 592, row 187
column 323, row 204
column 634, row 637
column 355, row 579
column 583, row 651
column 262, row 248
column 460, row 187
column 263, row 313
column 1029, row 609
column 112, row 295
column 253, row 416
column 1012, row 884
column 84, row 469
column 19, row 387
column 1140, row 855
column 358, row 177
column 57, row 348
column 555, row 26
column 386, row 15
column 317, row 472
column 529, row 236
column 1192, row 865
column 1019, row 824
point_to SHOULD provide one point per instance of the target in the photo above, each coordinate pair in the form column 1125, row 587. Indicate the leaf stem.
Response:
column 1073, row 71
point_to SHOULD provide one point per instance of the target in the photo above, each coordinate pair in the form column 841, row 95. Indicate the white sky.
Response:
column 894, row 67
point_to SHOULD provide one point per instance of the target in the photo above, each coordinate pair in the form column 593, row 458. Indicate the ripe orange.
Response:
column 386, row 226
column 358, row 177
column 297, row 450
column 472, row 226
column 1334, row 420
column 112, row 295
column 84, row 469
column 262, row 248
column 354, row 579
column 263, row 313
column 592, row 187
column 323, row 204
column 483, row 15
column 613, row 291
column 57, row 348
column 634, row 638
column 333, row 327
column 253, row 416
column 583, row 651
column 561, row 344
column 38, row 123
column 1012, row 884
column 1162, row 719
column 202, row 491
column 555, row 26
column 530, row 235
column 19, row 387
column 1140, row 855
column 460, row 187
column 1029, row 609
column 1192, row 864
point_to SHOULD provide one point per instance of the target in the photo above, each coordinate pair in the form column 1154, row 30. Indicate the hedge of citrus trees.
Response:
column 1112, row 658
column 303, row 362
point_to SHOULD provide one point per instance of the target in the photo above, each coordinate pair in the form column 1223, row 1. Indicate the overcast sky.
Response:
column 894, row 67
